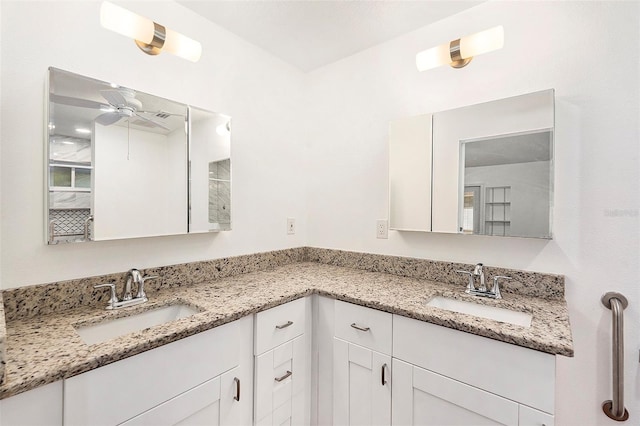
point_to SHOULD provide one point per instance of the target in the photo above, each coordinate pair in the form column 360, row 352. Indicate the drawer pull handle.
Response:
column 384, row 379
column 287, row 374
column 285, row 325
column 237, row 396
column 357, row 327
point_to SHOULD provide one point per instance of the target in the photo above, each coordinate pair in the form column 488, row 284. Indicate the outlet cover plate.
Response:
column 382, row 229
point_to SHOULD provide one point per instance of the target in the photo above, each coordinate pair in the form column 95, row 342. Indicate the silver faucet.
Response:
column 134, row 276
column 479, row 272
column 481, row 290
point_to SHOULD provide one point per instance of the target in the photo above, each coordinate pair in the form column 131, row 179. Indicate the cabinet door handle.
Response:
column 285, row 325
column 287, row 374
column 357, row 327
column 237, row 397
column 384, row 379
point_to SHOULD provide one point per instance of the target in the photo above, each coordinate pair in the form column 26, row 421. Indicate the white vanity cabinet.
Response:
column 444, row 376
column 361, row 366
column 37, row 407
column 205, row 378
column 422, row 397
column 213, row 403
column 283, row 364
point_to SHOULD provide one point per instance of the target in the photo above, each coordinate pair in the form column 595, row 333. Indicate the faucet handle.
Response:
column 470, row 285
column 113, row 299
column 496, row 285
column 141, row 294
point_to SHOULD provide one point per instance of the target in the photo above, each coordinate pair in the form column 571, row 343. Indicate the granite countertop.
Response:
column 46, row 348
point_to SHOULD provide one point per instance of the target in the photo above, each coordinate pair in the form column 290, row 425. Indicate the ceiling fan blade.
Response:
column 77, row 102
column 155, row 123
column 108, row 118
column 161, row 112
column 114, row 97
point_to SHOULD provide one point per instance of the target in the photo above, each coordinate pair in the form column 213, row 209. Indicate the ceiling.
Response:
column 309, row 34
column 511, row 149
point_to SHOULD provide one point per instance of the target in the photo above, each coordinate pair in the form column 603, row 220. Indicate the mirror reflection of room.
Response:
column 507, row 185
column 118, row 163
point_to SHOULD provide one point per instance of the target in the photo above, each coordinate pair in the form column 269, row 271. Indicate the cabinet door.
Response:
column 361, row 385
column 280, row 384
column 214, row 402
column 138, row 383
column 37, row 407
column 530, row 417
column 421, row 397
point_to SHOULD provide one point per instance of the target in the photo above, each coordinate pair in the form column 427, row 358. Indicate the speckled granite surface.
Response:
column 34, row 300
column 3, row 340
column 536, row 284
column 30, row 301
column 43, row 347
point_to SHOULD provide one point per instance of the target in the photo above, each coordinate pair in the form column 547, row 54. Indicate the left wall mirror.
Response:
column 118, row 162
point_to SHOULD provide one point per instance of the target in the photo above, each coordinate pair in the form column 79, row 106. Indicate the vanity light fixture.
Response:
column 458, row 53
column 150, row 37
column 83, row 130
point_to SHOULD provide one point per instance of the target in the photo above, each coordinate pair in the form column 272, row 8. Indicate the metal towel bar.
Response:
column 614, row 408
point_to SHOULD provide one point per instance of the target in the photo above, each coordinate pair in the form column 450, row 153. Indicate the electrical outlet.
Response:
column 382, row 229
column 291, row 226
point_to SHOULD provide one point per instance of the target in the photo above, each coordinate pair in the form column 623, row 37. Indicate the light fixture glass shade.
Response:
column 129, row 24
column 470, row 46
column 122, row 21
column 482, row 42
column 183, row 46
column 433, row 57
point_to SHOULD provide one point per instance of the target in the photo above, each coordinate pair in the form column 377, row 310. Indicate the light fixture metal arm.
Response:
column 156, row 44
column 457, row 61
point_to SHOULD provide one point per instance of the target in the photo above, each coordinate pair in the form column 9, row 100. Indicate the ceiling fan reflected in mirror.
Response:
column 122, row 103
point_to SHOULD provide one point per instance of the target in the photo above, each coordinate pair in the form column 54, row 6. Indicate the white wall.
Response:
column 259, row 92
column 574, row 47
column 137, row 191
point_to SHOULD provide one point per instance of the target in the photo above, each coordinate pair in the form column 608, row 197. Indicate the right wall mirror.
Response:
column 491, row 169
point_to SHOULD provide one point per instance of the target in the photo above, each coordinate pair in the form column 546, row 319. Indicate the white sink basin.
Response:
column 101, row 332
column 483, row 311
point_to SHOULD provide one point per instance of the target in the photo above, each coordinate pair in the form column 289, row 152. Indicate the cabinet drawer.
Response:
column 280, row 324
column 497, row 367
column 363, row 326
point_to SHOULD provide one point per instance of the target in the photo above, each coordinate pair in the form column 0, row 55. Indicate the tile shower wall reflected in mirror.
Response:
column 220, row 193
column 69, row 187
